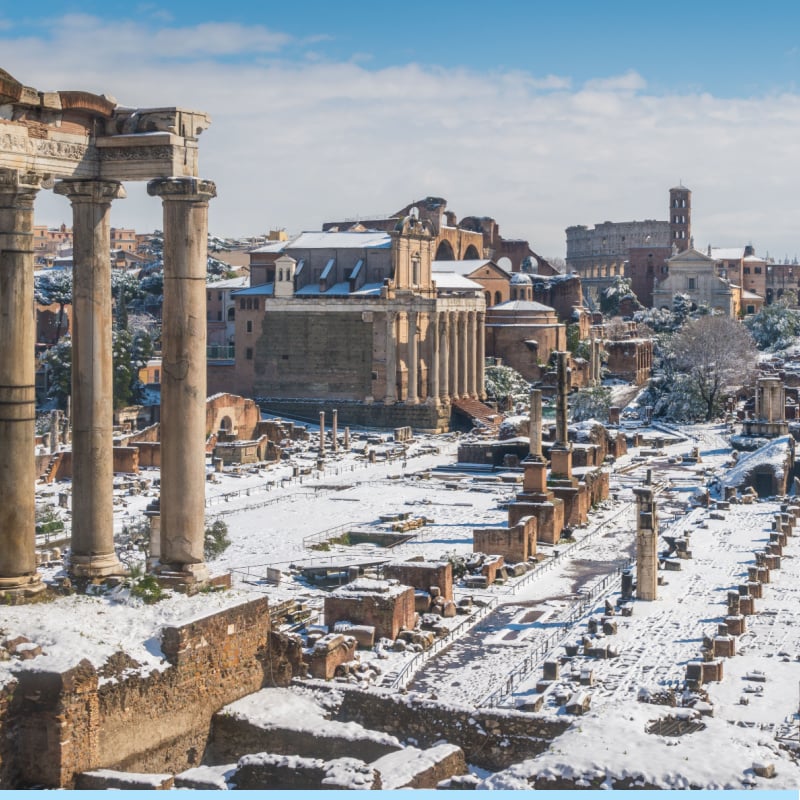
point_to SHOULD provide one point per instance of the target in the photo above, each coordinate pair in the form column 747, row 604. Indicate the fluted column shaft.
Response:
column 463, row 352
column 92, row 542
column 391, row 358
column 17, row 376
column 472, row 350
column 444, row 352
column 481, row 355
column 454, row 356
column 433, row 358
column 413, row 359
column 183, row 379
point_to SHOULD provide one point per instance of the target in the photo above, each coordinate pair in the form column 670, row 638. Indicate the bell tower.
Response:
column 680, row 217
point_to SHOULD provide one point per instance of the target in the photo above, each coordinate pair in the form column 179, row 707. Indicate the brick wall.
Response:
column 387, row 612
column 490, row 739
column 423, row 575
column 67, row 722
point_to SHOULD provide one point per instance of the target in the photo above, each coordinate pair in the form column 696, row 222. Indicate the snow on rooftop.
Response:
column 451, row 281
column 317, row 240
column 460, row 267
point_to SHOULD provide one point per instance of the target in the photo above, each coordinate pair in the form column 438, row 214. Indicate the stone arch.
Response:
column 226, row 424
column 471, row 253
column 444, row 252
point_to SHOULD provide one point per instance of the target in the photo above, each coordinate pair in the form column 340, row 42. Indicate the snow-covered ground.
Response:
column 270, row 511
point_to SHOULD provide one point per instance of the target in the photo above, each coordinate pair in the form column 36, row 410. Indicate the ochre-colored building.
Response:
column 357, row 321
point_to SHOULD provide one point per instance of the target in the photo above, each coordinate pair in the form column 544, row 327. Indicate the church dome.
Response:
column 521, row 279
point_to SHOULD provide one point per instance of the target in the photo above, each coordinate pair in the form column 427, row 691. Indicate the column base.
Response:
column 178, row 575
column 95, row 566
column 21, row 588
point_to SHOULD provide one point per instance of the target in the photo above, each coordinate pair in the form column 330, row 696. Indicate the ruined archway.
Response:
column 471, row 253
column 444, row 252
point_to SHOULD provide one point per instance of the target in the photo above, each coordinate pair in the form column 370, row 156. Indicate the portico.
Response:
column 86, row 146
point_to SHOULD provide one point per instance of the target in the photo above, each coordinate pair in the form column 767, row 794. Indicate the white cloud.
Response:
column 631, row 81
column 294, row 143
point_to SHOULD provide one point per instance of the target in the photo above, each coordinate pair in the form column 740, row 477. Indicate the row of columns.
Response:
column 183, row 384
column 454, row 349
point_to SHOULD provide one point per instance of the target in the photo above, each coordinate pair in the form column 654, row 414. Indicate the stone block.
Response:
column 412, row 768
column 578, row 704
column 383, row 605
column 329, row 653
column 551, row 671
column 114, row 779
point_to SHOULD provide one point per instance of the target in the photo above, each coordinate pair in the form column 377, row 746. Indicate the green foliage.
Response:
column 775, row 327
column 216, row 539
column 573, row 337
column 58, row 363
column 619, row 290
column 458, row 563
column 591, row 403
column 47, row 520
column 144, row 586
column 504, row 382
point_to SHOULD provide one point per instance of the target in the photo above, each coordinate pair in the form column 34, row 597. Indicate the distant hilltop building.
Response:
column 637, row 250
column 470, row 239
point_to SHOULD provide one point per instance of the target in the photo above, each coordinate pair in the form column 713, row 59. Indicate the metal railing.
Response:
column 403, row 677
column 535, row 657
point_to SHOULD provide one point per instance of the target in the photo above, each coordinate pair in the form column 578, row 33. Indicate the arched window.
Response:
column 498, row 298
column 488, row 297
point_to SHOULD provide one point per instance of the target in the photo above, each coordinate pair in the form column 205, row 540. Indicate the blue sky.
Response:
column 542, row 115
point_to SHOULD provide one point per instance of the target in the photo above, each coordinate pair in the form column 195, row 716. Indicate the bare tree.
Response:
column 717, row 354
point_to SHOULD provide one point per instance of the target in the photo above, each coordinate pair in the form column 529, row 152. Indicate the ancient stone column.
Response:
column 322, row 434
column 18, row 574
column 183, row 376
column 472, row 350
column 444, row 352
column 646, row 544
column 391, row 359
column 334, row 432
column 92, row 540
column 481, row 334
column 455, row 356
column 562, row 387
column 463, row 352
column 535, row 424
column 413, row 359
column 347, row 438
column 433, row 359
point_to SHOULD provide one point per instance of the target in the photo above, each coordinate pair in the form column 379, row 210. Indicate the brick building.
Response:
column 635, row 249
column 357, row 321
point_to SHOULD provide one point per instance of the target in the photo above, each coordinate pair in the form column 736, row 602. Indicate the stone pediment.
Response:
column 691, row 255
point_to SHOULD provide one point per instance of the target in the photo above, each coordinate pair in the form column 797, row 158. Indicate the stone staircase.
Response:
column 481, row 414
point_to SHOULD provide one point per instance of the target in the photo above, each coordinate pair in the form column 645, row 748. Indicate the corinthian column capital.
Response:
column 190, row 189
column 88, row 191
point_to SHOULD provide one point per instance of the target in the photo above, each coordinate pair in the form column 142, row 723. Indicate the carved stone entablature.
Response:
column 179, row 121
column 87, row 136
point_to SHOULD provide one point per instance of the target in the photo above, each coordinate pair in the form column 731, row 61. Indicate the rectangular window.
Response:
column 219, row 295
column 219, row 316
column 249, row 326
column 690, row 284
column 241, row 303
column 757, row 270
column 248, row 353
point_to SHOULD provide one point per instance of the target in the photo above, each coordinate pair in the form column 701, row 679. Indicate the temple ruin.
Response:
column 85, row 146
